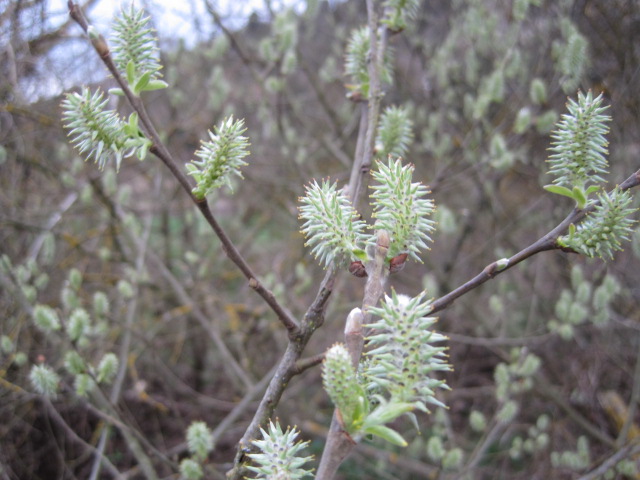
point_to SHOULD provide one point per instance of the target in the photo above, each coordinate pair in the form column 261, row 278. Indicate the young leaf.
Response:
column 387, row 434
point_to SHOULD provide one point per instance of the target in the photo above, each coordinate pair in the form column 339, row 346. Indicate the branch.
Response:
column 630, row 450
column 286, row 369
column 232, row 416
column 125, row 345
column 339, row 443
column 547, row 242
column 160, row 151
column 314, row 317
column 376, row 61
column 307, row 363
column 71, row 434
column 235, row 371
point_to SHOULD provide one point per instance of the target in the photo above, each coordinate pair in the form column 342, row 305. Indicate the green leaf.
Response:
column 592, row 189
column 388, row 411
column 155, row 85
column 359, row 254
column 133, row 120
column 387, row 434
column 131, row 128
column 141, row 83
column 116, row 91
column 579, row 196
column 142, row 152
column 559, row 190
column 131, row 73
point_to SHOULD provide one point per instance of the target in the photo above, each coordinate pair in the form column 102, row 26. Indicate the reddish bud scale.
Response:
column 397, row 263
column 358, row 269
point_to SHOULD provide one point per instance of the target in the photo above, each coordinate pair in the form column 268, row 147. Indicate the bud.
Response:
column 357, row 269
column 396, row 264
column 190, row 469
column 107, row 368
column 340, row 382
column 199, row 440
column 46, row 318
column 44, row 380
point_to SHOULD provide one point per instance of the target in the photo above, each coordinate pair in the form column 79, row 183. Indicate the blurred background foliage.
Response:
column 547, row 372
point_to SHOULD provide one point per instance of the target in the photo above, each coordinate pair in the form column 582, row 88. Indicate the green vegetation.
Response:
column 300, row 323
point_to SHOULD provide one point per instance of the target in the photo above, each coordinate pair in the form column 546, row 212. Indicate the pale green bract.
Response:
column 331, row 225
column 579, row 149
column 99, row 133
column 394, row 132
column 403, row 355
column 400, row 208
column 219, row 158
column 602, row 232
column 279, row 455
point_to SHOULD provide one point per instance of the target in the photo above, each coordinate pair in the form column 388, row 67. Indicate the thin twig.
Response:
column 628, row 450
column 545, row 243
column 71, row 434
column 125, row 346
column 159, row 150
column 229, row 361
column 339, row 443
column 377, row 51
column 286, row 369
column 52, row 220
column 497, row 341
column 481, row 447
column 629, row 419
column 314, row 316
column 544, row 388
column 306, row 363
column 233, row 415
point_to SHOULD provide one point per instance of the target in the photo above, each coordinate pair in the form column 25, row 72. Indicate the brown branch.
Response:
column 377, row 49
column 287, row 368
column 160, row 151
column 307, row 363
column 547, row 242
column 314, row 316
column 339, row 442
column 313, row 319
column 230, row 36
column 73, row 436
column 630, row 450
